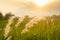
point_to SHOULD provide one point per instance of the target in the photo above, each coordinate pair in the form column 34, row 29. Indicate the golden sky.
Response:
column 29, row 7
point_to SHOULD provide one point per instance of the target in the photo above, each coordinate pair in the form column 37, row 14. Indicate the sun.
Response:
column 41, row 2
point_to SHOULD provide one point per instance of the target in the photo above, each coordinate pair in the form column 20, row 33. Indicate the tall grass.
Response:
column 47, row 29
column 3, row 24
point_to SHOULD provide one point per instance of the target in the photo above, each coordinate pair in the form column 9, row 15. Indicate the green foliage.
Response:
column 13, row 29
column 16, row 31
column 3, row 24
column 47, row 29
column 8, row 15
column 1, row 16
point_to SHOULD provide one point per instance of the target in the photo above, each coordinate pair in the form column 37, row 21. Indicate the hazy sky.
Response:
column 27, row 7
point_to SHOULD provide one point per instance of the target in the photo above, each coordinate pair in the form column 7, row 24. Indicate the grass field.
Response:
column 3, row 24
column 44, row 29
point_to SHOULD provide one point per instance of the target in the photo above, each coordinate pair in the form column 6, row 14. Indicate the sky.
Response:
column 28, row 7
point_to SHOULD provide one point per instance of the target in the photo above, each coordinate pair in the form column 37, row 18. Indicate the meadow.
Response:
column 47, row 28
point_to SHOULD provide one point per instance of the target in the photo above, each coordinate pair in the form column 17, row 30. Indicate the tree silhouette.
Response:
column 1, row 16
column 8, row 15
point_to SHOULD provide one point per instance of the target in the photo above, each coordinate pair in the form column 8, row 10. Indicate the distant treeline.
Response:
column 7, row 16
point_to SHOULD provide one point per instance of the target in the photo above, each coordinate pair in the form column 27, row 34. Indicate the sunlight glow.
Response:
column 42, row 2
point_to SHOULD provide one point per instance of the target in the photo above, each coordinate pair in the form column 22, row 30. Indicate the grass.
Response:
column 47, row 29
column 3, row 24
